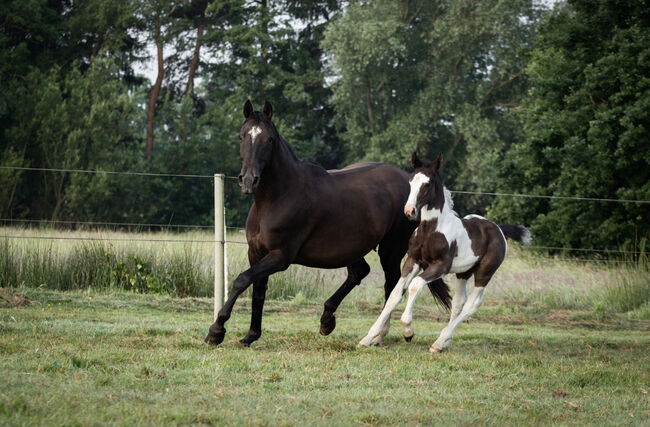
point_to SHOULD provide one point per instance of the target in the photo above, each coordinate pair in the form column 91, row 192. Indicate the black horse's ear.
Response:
column 417, row 163
column 248, row 108
column 268, row 110
column 437, row 164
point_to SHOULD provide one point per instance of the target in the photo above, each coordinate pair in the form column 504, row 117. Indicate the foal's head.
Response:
column 427, row 189
column 255, row 145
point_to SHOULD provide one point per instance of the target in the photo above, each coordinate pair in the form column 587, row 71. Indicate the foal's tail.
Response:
column 518, row 233
column 440, row 292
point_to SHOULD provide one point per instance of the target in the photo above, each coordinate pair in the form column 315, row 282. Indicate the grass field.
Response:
column 87, row 358
column 96, row 332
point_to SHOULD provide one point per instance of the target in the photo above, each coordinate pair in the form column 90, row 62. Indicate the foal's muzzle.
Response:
column 410, row 212
column 248, row 182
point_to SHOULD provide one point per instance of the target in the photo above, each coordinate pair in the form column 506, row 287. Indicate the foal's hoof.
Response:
column 215, row 338
column 409, row 338
column 370, row 342
column 435, row 349
column 327, row 323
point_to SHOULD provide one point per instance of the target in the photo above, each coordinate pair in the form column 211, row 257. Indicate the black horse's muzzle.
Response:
column 248, row 182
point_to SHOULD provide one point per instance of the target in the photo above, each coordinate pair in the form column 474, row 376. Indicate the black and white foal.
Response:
column 444, row 243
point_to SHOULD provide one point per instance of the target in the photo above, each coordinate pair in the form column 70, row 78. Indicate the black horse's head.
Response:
column 427, row 188
column 255, row 145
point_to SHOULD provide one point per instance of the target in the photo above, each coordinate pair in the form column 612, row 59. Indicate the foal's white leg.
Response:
column 374, row 334
column 458, row 301
column 473, row 303
column 415, row 288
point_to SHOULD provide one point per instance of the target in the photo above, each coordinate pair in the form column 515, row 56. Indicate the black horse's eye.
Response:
column 239, row 136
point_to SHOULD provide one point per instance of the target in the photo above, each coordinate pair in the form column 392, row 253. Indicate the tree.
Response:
column 431, row 76
column 587, row 128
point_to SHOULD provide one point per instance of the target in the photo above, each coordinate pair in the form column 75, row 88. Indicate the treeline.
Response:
column 517, row 97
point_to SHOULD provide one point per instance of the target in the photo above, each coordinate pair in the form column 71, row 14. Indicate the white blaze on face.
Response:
column 416, row 183
column 255, row 130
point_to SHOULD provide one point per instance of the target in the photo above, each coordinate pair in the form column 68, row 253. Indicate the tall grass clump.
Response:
column 297, row 280
column 538, row 281
column 629, row 289
column 101, row 266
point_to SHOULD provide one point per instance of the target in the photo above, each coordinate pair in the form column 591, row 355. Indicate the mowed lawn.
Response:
column 87, row 359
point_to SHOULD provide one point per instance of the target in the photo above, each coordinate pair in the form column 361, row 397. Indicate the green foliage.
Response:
column 432, row 76
column 71, row 99
column 587, row 128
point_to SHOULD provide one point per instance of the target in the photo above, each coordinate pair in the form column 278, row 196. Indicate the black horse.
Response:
column 304, row 214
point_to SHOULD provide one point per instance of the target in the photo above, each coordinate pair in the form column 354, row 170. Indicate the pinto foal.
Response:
column 444, row 243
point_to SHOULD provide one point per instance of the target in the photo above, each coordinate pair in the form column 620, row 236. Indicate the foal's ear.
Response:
column 268, row 110
column 248, row 108
column 417, row 163
column 437, row 163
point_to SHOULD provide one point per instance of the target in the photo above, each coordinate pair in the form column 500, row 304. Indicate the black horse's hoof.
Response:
column 327, row 323
column 408, row 339
column 249, row 339
column 215, row 338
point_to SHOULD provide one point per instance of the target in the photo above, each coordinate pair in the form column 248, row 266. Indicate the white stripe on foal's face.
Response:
column 416, row 184
column 255, row 130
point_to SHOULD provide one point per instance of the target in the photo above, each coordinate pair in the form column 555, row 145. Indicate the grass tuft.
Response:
column 629, row 290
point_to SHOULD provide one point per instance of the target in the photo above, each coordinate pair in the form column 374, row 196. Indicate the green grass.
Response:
column 89, row 358
column 186, row 268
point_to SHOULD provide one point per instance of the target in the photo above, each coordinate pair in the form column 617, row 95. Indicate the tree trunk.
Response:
column 155, row 91
column 263, row 47
column 371, row 125
column 195, row 58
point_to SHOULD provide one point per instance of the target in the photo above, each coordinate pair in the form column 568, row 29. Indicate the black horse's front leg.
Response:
column 273, row 262
column 259, row 294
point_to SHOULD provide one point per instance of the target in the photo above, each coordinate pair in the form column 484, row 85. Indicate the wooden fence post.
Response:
column 219, row 243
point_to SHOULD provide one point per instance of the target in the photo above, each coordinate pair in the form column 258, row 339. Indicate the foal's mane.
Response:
column 449, row 201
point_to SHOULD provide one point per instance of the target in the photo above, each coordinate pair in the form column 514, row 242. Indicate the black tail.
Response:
column 440, row 292
column 518, row 233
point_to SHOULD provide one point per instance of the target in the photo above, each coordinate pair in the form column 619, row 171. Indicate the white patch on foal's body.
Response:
column 253, row 132
column 470, row 216
column 449, row 225
column 505, row 241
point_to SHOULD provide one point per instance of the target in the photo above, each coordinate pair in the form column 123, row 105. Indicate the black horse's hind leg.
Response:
column 391, row 251
column 356, row 273
column 259, row 294
column 390, row 262
column 273, row 262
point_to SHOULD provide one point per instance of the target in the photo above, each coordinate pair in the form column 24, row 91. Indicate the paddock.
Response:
column 99, row 358
column 554, row 342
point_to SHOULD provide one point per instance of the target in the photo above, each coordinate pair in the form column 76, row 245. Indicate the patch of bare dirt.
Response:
column 9, row 299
